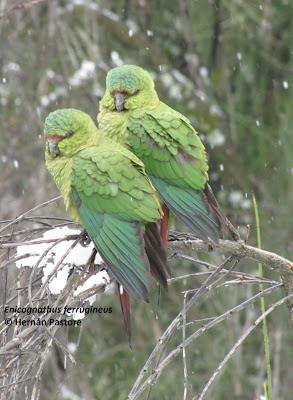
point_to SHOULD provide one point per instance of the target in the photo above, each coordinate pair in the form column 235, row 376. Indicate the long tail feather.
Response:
column 156, row 253
column 125, row 308
column 165, row 225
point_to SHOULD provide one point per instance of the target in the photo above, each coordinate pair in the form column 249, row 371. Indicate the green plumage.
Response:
column 105, row 188
column 169, row 147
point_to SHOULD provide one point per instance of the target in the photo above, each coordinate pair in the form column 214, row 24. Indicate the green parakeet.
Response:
column 105, row 188
column 171, row 150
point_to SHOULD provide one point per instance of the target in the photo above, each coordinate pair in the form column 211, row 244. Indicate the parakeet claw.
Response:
column 84, row 238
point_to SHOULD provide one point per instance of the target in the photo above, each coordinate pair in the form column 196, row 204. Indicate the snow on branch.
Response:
column 51, row 278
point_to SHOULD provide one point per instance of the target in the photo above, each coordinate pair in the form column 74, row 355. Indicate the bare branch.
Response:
column 239, row 249
column 238, row 343
column 20, row 6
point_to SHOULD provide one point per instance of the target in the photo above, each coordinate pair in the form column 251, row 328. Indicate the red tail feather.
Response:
column 164, row 225
column 125, row 308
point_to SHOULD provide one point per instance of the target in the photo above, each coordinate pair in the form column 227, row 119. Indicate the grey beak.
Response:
column 119, row 101
column 53, row 147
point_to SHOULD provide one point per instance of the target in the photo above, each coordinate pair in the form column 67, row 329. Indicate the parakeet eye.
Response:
column 136, row 92
column 69, row 134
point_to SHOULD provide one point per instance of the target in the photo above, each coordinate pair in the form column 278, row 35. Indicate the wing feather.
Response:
column 175, row 161
column 114, row 212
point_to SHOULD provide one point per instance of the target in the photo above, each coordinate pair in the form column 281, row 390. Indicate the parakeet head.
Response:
column 66, row 130
column 129, row 87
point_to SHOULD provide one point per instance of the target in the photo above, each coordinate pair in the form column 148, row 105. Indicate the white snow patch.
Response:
column 131, row 25
column 235, row 197
column 121, row 290
column 116, row 58
column 110, row 15
column 203, row 72
column 53, row 96
column 58, row 283
column 285, row 85
column 4, row 91
column 45, row 101
column 50, row 73
column 192, row 59
column 239, row 56
column 178, row 76
column 98, row 92
column 240, row 200
column 77, row 257
column 11, row 66
column 78, row 2
column 174, row 91
column 100, row 278
column 84, row 73
column 71, row 347
column 216, row 138
column 166, row 79
column 68, row 394
column 246, row 204
column 201, row 95
column 76, row 315
column 216, row 110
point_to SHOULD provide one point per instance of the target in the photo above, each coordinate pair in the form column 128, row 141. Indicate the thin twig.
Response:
column 21, row 217
column 137, row 390
column 238, row 343
column 36, row 242
column 185, row 380
column 20, row 6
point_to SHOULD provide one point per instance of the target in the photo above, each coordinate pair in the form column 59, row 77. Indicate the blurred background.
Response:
column 228, row 67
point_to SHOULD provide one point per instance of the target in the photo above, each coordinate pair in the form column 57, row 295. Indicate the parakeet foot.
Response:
column 84, row 238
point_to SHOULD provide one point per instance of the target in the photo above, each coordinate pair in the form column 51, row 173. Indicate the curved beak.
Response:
column 53, row 147
column 119, row 102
